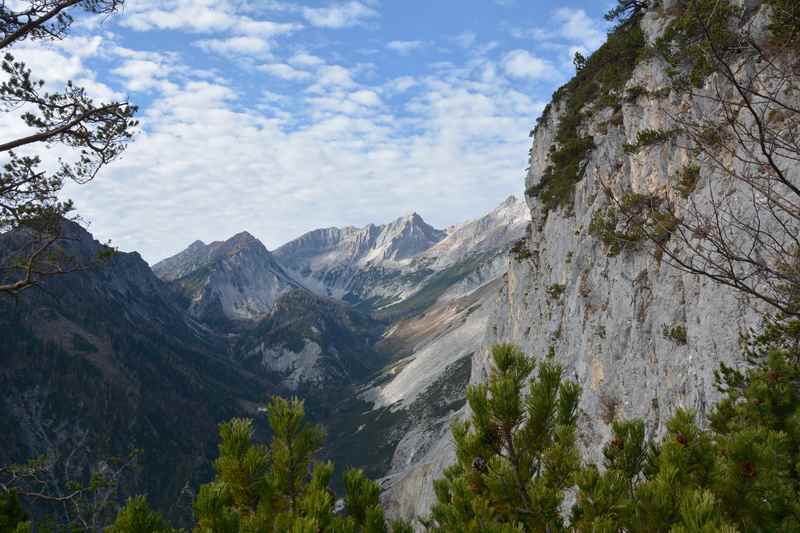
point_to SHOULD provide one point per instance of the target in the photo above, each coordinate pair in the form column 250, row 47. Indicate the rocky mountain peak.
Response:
column 241, row 242
column 511, row 200
column 495, row 231
column 404, row 238
column 235, row 279
column 412, row 218
column 243, row 237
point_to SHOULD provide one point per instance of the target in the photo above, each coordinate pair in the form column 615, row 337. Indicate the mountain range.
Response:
column 374, row 327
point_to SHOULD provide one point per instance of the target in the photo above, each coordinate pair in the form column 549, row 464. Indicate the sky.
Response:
column 279, row 117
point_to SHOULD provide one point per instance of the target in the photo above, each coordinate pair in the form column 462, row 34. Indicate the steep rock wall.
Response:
column 606, row 316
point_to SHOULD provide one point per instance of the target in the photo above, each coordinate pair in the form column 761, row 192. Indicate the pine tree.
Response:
column 13, row 518
column 625, row 11
column 281, row 487
column 516, row 455
column 137, row 517
column 757, row 428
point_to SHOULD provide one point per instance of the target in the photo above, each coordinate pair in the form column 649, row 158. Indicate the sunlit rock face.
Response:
column 352, row 263
column 378, row 266
column 607, row 320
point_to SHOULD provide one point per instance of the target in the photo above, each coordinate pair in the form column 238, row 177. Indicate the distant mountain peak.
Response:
column 242, row 236
column 196, row 245
column 233, row 279
column 511, row 200
column 242, row 241
column 413, row 218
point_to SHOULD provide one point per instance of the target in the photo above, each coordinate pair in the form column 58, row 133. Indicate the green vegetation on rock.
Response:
column 676, row 333
column 647, row 138
column 636, row 216
column 598, row 84
column 785, row 23
column 688, row 177
column 555, row 291
column 520, row 250
column 702, row 29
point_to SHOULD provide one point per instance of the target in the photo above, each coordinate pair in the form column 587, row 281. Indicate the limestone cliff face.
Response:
column 607, row 324
column 605, row 316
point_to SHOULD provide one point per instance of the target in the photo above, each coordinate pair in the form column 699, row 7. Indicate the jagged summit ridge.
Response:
column 329, row 261
column 199, row 254
column 381, row 264
column 398, row 240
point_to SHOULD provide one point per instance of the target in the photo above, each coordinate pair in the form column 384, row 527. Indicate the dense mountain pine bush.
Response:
column 517, row 457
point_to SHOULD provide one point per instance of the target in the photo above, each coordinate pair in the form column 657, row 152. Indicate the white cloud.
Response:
column 236, row 45
column 405, row 47
column 340, row 15
column 569, row 27
column 332, row 76
column 265, row 28
column 203, row 16
column 578, row 27
column 366, row 98
column 305, row 59
column 284, row 71
column 81, row 46
column 193, row 15
column 401, row 84
column 522, row 64
column 143, row 75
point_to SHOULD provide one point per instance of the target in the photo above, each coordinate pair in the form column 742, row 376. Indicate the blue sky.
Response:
column 278, row 117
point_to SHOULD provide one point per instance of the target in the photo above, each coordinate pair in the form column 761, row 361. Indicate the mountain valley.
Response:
column 374, row 327
column 618, row 350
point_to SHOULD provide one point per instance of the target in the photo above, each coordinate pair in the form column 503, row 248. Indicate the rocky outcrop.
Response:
column 503, row 226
